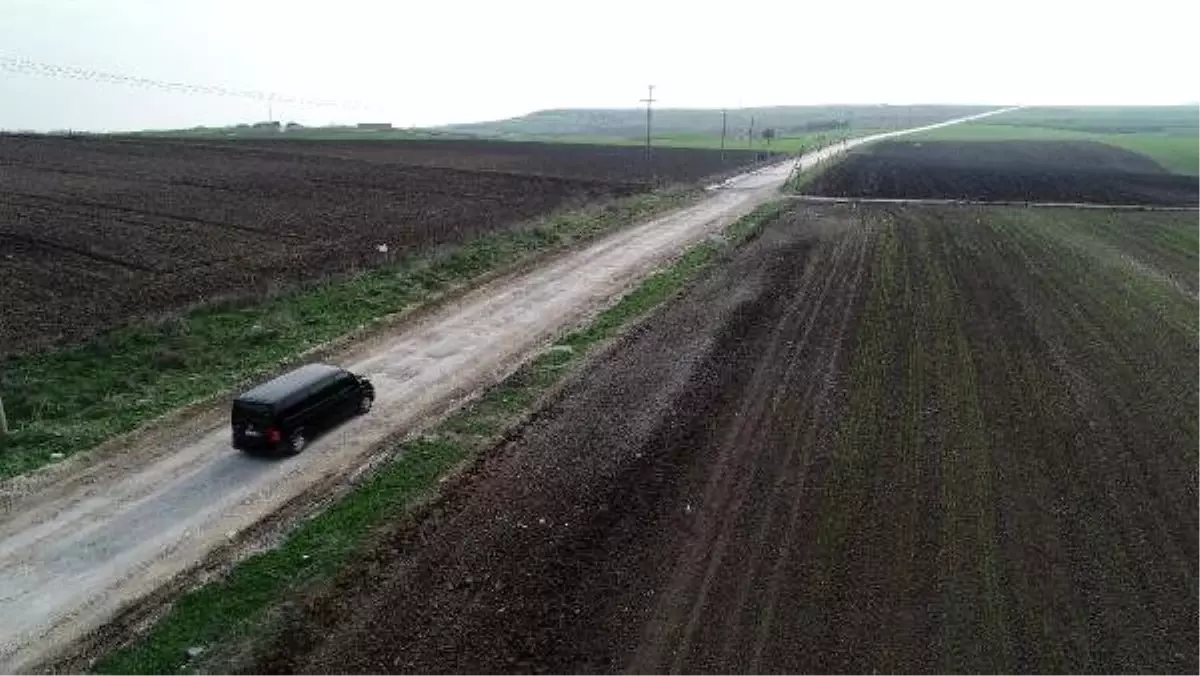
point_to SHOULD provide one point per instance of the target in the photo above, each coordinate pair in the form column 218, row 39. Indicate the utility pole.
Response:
column 750, row 136
column 648, row 101
column 724, row 120
column 3, row 421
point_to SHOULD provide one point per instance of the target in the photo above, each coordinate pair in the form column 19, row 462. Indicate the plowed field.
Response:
column 1033, row 171
column 564, row 160
column 96, row 231
column 899, row 439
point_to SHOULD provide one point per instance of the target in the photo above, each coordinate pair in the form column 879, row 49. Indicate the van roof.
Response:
column 276, row 391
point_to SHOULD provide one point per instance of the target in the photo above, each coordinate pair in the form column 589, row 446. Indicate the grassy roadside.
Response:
column 801, row 181
column 240, row 604
column 63, row 401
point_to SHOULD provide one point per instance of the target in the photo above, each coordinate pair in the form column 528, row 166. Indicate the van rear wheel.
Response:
column 297, row 442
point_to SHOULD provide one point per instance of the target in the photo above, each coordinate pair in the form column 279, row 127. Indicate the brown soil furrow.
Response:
column 78, row 251
column 810, row 360
column 730, row 479
column 132, row 217
column 816, row 435
column 73, row 204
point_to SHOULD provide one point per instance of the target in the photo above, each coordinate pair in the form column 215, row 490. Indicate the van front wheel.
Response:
column 297, row 442
column 364, row 404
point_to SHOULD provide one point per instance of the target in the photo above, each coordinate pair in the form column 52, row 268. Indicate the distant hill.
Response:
column 793, row 126
column 785, row 120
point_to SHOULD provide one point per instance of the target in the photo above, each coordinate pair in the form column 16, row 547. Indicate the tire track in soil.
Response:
column 802, row 344
column 817, row 435
column 78, row 251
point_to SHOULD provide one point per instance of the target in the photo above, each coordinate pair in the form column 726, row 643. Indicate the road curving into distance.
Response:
column 80, row 542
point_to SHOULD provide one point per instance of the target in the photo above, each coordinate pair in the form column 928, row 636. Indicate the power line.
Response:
column 40, row 69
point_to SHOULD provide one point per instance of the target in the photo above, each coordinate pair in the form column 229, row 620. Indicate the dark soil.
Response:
column 1032, row 171
column 95, row 232
column 565, row 160
column 883, row 439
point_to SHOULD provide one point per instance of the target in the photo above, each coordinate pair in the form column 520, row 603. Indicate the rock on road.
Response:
column 79, row 543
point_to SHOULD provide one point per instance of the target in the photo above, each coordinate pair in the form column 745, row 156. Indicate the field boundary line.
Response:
column 987, row 203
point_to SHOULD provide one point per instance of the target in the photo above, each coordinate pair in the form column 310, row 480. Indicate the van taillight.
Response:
column 273, row 435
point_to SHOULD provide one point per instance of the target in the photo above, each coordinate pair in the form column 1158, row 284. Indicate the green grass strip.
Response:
column 236, row 606
column 63, row 401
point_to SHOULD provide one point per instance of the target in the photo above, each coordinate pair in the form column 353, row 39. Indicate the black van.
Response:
column 285, row 413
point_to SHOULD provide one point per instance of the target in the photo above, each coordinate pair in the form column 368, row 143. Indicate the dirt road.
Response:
column 80, row 542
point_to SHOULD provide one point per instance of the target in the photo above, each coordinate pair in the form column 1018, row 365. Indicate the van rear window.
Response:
column 247, row 411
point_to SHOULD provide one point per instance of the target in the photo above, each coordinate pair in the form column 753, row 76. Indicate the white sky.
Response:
column 440, row 61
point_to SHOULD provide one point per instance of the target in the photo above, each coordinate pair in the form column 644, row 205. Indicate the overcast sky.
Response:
column 432, row 62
